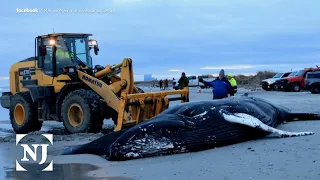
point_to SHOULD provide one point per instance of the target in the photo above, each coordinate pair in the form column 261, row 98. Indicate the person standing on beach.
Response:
column 221, row 86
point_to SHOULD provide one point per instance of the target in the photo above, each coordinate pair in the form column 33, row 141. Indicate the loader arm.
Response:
column 100, row 88
column 125, row 69
column 109, row 92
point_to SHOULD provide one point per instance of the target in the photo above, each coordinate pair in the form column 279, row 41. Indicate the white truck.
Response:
column 193, row 82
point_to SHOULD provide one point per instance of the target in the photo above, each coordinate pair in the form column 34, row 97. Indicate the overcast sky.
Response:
column 166, row 37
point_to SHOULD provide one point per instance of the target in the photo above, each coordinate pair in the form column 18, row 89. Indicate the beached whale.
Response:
column 196, row 126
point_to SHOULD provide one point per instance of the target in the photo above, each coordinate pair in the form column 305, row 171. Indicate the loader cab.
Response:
column 56, row 51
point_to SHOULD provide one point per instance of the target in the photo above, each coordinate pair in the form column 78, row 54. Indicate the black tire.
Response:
column 22, row 102
column 295, row 87
column 315, row 89
column 87, row 102
column 272, row 88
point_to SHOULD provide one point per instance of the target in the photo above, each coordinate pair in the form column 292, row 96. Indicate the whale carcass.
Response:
column 196, row 126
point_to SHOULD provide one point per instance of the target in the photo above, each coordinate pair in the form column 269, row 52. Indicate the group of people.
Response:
column 223, row 86
column 164, row 84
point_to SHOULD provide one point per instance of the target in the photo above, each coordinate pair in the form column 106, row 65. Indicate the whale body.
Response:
column 196, row 126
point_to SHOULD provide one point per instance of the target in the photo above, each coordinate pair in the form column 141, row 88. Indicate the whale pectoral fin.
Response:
column 251, row 121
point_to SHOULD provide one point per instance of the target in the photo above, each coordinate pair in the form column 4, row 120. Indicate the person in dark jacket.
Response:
column 221, row 86
column 160, row 83
column 184, row 83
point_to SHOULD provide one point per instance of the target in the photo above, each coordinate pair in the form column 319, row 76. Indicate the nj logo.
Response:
column 32, row 152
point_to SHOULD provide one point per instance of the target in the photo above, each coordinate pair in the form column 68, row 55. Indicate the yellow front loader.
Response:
column 60, row 84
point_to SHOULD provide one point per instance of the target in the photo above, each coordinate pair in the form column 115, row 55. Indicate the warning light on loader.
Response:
column 92, row 42
column 52, row 42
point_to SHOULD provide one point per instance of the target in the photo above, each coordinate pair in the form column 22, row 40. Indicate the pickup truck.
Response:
column 193, row 82
column 295, row 81
column 268, row 84
column 312, row 82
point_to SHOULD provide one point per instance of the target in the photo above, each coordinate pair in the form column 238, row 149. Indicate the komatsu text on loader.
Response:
column 60, row 84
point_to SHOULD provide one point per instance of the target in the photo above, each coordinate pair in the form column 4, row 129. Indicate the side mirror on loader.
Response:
column 96, row 49
column 43, row 50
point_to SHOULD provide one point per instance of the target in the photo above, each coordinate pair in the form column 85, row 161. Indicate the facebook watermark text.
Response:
column 62, row 10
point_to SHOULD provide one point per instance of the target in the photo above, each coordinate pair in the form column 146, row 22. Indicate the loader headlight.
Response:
column 92, row 42
column 52, row 42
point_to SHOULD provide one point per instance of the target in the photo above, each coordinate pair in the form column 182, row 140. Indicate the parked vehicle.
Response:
column 277, row 83
column 268, row 84
column 312, row 82
column 193, row 82
column 294, row 83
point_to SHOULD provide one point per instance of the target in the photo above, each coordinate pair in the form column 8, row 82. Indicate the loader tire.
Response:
column 24, row 114
column 82, row 112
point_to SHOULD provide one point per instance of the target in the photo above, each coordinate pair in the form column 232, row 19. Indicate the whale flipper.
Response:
column 251, row 121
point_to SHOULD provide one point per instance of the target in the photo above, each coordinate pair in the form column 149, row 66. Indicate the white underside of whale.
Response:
column 246, row 119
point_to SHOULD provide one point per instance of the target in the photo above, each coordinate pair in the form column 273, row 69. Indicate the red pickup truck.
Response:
column 295, row 82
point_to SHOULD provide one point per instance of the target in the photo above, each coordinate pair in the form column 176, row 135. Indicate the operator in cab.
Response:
column 221, row 86
column 64, row 56
column 233, row 82
column 62, row 52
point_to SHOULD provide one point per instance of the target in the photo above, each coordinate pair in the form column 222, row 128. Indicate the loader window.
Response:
column 63, row 56
column 47, row 60
column 81, row 51
column 71, row 51
column 78, row 49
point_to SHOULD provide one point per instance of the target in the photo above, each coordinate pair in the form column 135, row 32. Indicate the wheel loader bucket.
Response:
column 143, row 106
